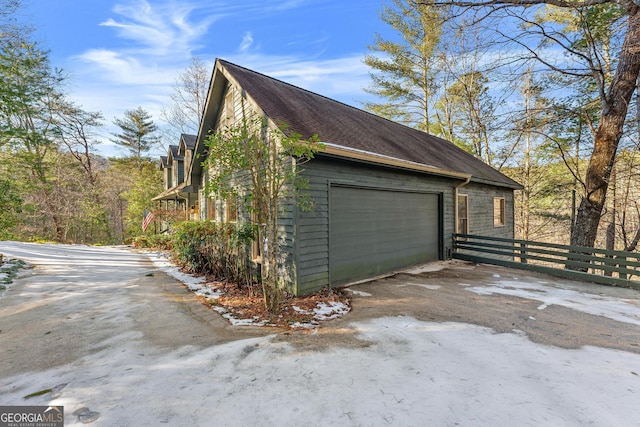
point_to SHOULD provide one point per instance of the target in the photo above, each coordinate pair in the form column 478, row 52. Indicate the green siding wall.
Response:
column 372, row 232
column 312, row 232
column 309, row 249
column 480, row 200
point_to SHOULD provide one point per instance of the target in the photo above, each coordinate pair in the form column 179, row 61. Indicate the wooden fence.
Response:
column 618, row 268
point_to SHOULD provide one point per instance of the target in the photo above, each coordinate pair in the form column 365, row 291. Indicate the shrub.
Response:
column 153, row 241
column 217, row 249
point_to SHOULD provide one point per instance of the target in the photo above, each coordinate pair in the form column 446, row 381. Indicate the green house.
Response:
column 386, row 196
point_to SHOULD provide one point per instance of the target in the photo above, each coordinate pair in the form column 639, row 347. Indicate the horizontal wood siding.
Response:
column 480, row 200
column 312, row 233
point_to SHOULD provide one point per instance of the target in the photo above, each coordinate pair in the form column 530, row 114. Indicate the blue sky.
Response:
column 120, row 54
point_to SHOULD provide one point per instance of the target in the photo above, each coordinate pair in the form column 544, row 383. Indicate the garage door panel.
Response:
column 374, row 231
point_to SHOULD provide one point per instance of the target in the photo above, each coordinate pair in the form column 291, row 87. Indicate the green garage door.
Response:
column 375, row 231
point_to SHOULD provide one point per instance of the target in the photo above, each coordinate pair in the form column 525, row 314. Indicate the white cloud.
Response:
column 120, row 68
column 153, row 41
column 246, row 43
column 161, row 29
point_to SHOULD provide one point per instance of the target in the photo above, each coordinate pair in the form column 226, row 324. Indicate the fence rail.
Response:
column 618, row 268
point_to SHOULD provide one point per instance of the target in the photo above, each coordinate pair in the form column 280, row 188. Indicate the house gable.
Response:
column 185, row 149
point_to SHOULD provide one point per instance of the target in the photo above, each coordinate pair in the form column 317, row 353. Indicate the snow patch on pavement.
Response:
column 359, row 293
column 620, row 309
column 411, row 373
column 324, row 311
column 438, row 266
column 430, row 287
column 403, row 372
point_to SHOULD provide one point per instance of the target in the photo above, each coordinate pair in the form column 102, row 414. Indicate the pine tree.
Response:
column 137, row 133
column 404, row 70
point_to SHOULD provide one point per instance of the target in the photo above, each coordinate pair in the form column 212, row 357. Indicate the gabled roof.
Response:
column 189, row 140
column 357, row 131
column 173, row 151
column 163, row 162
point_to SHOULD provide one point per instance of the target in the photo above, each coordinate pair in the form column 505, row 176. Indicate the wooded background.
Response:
column 544, row 91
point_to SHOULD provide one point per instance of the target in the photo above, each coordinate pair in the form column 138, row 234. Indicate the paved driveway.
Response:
column 546, row 309
column 114, row 340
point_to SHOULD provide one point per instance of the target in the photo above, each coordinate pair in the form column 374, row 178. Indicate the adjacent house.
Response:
column 385, row 196
column 178, row 194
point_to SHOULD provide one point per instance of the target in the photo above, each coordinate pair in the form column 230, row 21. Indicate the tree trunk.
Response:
column 614, row 111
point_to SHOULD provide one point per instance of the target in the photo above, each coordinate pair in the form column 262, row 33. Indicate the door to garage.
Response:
column 375, row 231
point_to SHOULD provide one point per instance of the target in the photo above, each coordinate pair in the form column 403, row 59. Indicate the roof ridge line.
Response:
column 330, row 99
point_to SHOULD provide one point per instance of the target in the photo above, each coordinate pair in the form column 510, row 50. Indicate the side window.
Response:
column 232, row 209
column 169, row 177
column 498, row 212
column 211, row 208
column 463, row 214
column 256, row 245
column 229, row 107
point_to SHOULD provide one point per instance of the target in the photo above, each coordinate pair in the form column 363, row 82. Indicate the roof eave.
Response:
column 366, row 156
column 514, row 185
column 171, row 192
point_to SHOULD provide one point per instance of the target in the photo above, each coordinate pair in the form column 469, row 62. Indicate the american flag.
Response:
column 148, row 217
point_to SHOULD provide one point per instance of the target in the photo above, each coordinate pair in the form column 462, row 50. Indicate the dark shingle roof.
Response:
column 174, row 152
column 189, row 140
column 163, row 162
column 336, row 123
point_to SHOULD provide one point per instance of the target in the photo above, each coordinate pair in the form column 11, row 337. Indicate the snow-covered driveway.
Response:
column 119, row 343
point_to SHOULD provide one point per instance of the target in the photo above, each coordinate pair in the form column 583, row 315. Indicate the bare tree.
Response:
column 188, row 98
column 9, row 27
column 590, row 59
column 75, row 127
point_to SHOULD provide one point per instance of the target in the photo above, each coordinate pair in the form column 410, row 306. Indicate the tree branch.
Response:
column 528, row 3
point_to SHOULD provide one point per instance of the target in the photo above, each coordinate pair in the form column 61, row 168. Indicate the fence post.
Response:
column 523, row 251
column 621, row 275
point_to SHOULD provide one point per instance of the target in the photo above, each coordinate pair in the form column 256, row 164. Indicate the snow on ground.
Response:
column 413, row 373
column 199, row 286
column 620, row 309
column 196, row 284
column 407, row 372
column 438, row 266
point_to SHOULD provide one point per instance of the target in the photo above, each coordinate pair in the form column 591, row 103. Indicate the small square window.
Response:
column 498, row 212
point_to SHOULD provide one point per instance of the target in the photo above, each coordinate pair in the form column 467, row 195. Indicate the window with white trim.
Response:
column 231, row 209
column 498, row 212
column 229, row 107
column 211, row 208
column 463, row 214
